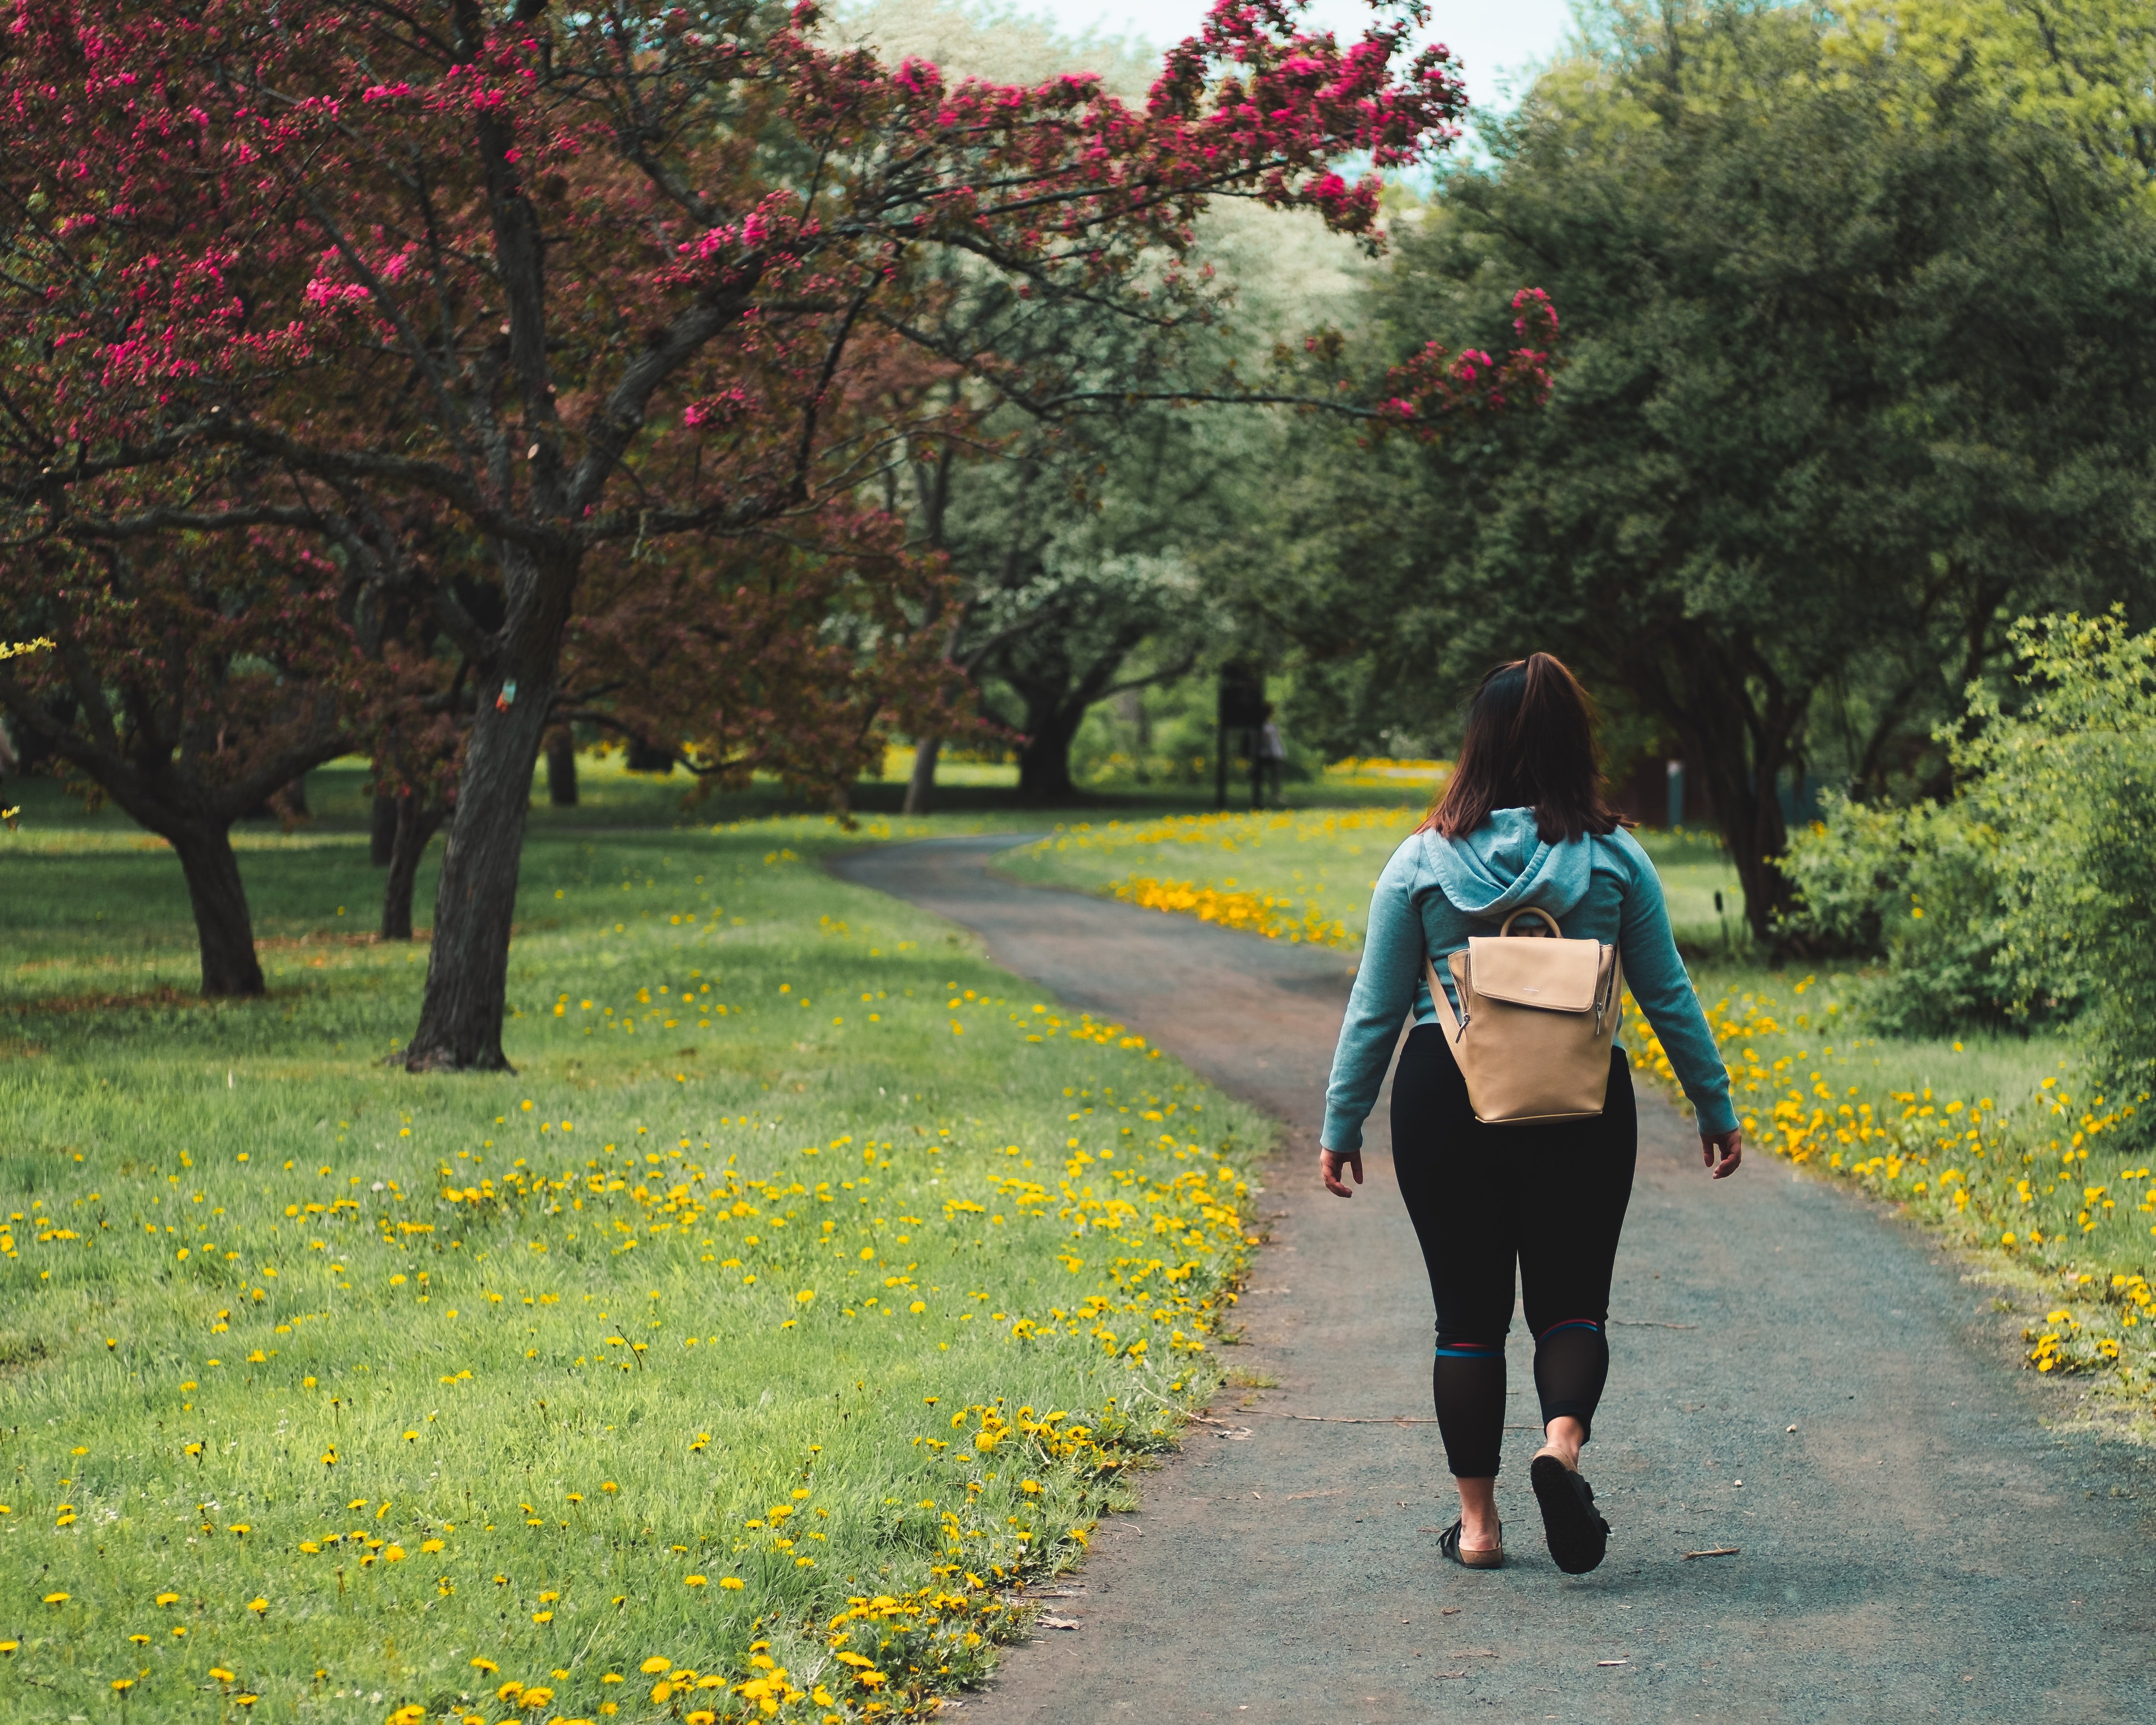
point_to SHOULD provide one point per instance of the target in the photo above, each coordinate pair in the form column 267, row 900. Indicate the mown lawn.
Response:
column 809, row 1288
column 1306, row 874
column 1998, row 1140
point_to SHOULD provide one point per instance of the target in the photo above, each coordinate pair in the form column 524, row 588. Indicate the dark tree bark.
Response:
column 382, row 830
column 1057, row 695
column 1747, row 806
column 921, row 788
column 1744, row 726
column 415, row 826
column 222, row 924
column 460, row 1017
column 562, row 772
column 1044, row 762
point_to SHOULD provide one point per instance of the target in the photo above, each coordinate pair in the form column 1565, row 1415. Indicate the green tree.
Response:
column 1843, row 395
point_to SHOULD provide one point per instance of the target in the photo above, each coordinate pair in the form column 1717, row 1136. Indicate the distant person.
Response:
column 1522, row 825
column 1268, row 762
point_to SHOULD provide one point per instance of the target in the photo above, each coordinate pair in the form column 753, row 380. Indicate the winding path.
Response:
column 1915, row 1542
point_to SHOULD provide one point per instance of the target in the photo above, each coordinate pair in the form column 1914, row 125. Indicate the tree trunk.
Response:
column 460, row 1017
column 382, row 830
column 225, row 930
column 920, row 788
column 562, row 772
column 1135, row 715
column 415, row 826
column 1747, row 808
column 1044, row 764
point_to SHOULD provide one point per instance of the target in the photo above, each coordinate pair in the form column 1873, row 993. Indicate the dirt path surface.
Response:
column 1919, row 1546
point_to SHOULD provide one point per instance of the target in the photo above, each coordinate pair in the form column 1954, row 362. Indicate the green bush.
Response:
column 2069, row 779
column 2026, row 897
column 1919, row 886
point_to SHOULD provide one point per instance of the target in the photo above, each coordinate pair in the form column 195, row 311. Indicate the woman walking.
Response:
column 1523, row 826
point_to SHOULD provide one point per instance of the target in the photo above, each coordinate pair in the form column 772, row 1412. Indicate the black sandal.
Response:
column 1578, row 1537
column 1447, row 1542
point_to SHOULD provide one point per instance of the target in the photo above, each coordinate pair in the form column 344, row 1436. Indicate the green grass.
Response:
column 379, row 1377
column 1300, row 874
column 1307, row 873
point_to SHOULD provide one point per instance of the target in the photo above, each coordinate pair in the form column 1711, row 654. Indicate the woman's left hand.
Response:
column 1329, row 1163
column 1729, row 1147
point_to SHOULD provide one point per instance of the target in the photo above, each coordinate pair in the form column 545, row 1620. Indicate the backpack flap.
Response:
column 1552, row 975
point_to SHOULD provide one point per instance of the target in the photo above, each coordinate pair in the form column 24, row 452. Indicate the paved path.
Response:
column 1920, row 1547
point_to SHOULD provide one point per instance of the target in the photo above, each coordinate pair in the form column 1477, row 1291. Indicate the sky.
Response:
column 1490, row 37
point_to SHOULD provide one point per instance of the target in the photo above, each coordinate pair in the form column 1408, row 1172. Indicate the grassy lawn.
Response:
column 1996, row 1141
column 809, row 1289
column 1306, row 874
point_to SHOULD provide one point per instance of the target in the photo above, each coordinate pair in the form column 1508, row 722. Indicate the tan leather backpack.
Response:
column 1536, row 1021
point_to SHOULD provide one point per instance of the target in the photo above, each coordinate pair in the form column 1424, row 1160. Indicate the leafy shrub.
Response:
column 1919, row 886
column 2026, row 897
column 2069, row 780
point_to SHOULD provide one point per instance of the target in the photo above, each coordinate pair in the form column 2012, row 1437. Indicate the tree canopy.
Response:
column 1843, row 395
column 404, row 283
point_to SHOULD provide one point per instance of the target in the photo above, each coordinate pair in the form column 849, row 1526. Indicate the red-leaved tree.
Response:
column 192, row 684
column 567, row 283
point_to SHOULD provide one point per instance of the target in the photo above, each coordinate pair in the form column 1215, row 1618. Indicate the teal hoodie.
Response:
column 1436, row 892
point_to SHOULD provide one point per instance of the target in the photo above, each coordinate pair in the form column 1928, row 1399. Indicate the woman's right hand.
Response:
column 1329, row 1163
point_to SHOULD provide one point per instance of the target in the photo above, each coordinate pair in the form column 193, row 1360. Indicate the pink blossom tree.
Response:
column 571, row 284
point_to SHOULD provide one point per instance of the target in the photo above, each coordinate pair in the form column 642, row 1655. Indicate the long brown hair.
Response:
column 1530, row 744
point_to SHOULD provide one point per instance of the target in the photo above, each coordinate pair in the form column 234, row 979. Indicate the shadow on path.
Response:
column 1919, row 1547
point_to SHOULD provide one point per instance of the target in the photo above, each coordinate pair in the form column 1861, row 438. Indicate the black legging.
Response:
column 1553, row 1197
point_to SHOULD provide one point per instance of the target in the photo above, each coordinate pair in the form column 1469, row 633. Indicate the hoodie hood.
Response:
column 1504, row 865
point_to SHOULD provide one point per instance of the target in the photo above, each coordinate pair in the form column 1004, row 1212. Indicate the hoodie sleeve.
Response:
column 1656, row 977
column 1392, row 952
